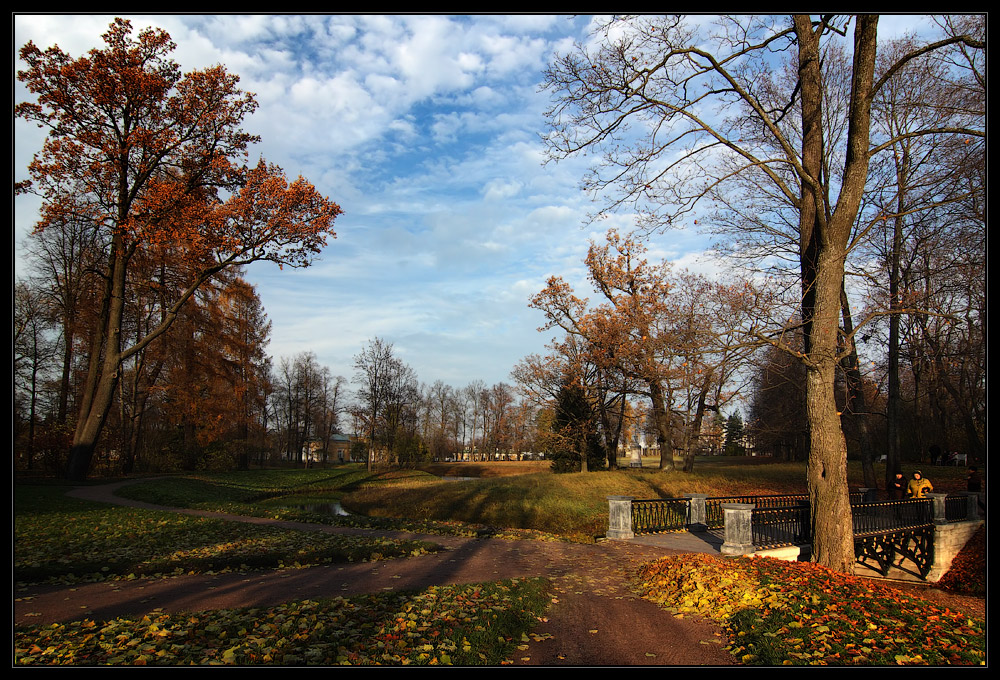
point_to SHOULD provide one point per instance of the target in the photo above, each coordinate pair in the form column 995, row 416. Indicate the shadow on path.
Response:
column 594, row 619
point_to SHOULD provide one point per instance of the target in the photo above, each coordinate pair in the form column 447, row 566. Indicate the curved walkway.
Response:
column 594, row 619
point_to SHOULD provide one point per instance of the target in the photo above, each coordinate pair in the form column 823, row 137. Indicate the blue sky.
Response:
column 425, row 129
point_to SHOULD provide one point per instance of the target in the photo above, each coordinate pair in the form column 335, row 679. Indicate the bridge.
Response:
column 910, row 539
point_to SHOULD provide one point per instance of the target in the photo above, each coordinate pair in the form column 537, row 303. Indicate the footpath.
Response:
column 594, row 619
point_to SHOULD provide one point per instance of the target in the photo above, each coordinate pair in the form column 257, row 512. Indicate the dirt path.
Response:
column 594, row 619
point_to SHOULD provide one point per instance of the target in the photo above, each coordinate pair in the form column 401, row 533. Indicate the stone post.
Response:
column 940, row 517
column 620, row 517
column 697, row 518
column 738, row 535
column 870, row 495
column 972, row 514
column 636, row 459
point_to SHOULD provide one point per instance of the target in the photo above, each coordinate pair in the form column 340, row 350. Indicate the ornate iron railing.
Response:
column 895, row 533
column 887, row 535
column 956, row 508
column 873, row 518
column 664, row 514
column 713, row 506
column 780, row 526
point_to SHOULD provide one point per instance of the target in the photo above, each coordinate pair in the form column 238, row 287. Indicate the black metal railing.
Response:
column 896, row 534
column 664, row 514
column 956, row 508
column 713, row 506
column 780, row 520
column 887, row 516
column 780, row 526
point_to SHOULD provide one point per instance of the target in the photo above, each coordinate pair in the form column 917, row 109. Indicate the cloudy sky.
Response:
column 425, row 130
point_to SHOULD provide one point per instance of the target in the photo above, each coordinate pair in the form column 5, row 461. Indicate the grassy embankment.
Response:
column 575, row 505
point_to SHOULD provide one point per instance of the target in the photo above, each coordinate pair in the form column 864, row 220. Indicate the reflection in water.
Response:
column 335, row 509
column 324, row 509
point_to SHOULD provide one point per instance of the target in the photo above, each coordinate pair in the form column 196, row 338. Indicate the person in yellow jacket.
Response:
column 918, row 486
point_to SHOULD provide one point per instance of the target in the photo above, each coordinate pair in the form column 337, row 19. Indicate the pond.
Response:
column 324, row 509
column 336, row 509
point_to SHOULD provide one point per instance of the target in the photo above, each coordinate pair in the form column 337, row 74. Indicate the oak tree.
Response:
column 679, row 110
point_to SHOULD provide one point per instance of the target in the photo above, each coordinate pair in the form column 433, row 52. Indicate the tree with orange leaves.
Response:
column 152, row 157
column 678, row 335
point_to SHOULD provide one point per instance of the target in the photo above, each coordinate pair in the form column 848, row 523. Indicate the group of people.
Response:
column 940, row 458
column 916, row 487
column 919, row 486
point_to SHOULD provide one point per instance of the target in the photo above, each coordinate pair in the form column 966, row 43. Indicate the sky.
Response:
column 425, row 129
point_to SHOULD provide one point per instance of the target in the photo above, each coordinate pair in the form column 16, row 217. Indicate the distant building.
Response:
column 339, row 450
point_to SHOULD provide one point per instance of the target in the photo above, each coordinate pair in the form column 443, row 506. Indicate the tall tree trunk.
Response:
column 893, row 407
column 695, row 430
column 857, row 404
column 833, row 539
column 661, row 420
column 102, row 375
column 824, row 236
column 67, row 365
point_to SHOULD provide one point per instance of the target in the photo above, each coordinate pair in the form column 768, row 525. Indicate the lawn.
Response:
column 812, row 617
column 58, row 539
column 453, row 625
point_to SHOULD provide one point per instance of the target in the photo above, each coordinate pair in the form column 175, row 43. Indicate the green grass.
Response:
column 573, row 506
column 454, row 625
column 277, row 493
column 61, row 539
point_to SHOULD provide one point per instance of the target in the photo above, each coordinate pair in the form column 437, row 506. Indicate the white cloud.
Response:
column 425, row 130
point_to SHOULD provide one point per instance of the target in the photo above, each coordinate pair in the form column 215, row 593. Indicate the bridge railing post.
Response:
column 870, row 495
column 620, row 517
column 697, row 517
column 738, row 534
column 938, row 499
column 972, row 513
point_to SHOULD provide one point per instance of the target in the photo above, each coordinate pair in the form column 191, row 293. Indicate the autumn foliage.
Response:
column 671, row 339
column 783, row 613
column 153, row 163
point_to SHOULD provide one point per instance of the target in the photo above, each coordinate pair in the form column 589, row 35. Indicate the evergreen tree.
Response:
column 734, row 436
column 574, row 444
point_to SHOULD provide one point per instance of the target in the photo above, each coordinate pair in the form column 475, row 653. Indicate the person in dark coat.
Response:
column 974, row 482
column 897, row 489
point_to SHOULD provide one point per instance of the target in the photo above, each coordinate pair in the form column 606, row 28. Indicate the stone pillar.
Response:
column 738, row 535
column 697, row 519
column 870, row 495
column 636, row 459
column 972, row 514
column 940, row 517
column 620, row 517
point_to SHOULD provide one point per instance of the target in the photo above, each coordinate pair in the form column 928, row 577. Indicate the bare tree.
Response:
column 389, row 398
column 678, row 112
column 33, row 351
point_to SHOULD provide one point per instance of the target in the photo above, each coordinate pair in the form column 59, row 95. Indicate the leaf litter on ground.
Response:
column 791, row 613
column 479, row 624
